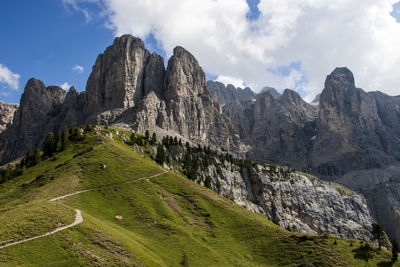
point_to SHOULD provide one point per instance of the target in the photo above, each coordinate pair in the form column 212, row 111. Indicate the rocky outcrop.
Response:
column 351, row 136
column 279, row 128
column 350, row 133
column 34, row 117
column 271, row 91
column 350, row 129
column 128, row 86
column 294, row 200
column 117, row 79
column 6, row 114
column 226, row 94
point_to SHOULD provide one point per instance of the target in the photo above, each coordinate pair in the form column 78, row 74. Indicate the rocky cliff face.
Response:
column 349, row 132
column 293, row 200
column 350, row 136
column 128, row 86
column 279, row 128
column 6, row 114
column 117, row 81
column 225, row 94
column 34, row 117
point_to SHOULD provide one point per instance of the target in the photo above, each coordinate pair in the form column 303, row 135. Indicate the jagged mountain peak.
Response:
column 72, row 91
column 128, row 85
column 184, row 76
column 271, row 91
column 229, row 93
column 291, row 94
column 128, row 40
column 340, row 79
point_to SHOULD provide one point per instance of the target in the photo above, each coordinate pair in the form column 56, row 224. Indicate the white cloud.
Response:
column 78, row 69
column 76, row 5
column 320, row 35
column 9, row 78
column 65, row 86
column 230, row 80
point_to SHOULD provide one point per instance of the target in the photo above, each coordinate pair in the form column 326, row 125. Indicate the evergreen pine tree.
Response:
column 147, row 134
column 49, row 145
column 395, row 250
column 59, row 141
column 165, row 141
column 29, row 159
column 378, row 234
column 74, row 134
column 37, row 156
column 64, row 139
column 89, row 127
column 207, row 182
column 154, row 139
column 160, row 158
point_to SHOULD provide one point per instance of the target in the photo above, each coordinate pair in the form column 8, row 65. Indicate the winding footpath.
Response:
column 78, row 220
column 78, row 215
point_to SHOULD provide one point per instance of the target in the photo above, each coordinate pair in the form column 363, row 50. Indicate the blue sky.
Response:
column 47, row 39
column 41, row 39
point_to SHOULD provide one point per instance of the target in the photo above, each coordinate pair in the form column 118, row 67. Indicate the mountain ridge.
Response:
column 130, row 86
column 350, row 131
column 165, row 220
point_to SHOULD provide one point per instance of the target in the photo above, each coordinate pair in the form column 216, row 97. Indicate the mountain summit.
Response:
column 350, row 134
column 128, row 86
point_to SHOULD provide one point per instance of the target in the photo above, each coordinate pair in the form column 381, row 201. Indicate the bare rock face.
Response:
column 184, row 77
column 294, row 200
column 278, row 128
column 127, row 86
column 189, row 108
column 347, row 124
column 272, row 92
column 352, row 136
column 154, row 75
column 117, row 78
column 226, row 94
column 38, row 107
column 6, row 114
column 130, row 86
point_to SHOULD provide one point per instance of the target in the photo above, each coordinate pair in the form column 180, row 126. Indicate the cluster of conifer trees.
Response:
column 53, row 143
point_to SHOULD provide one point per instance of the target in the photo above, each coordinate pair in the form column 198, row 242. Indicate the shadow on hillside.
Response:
column 385, row 264
column 364, row 252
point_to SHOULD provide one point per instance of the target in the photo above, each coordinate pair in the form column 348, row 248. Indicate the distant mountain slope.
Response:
column 166, row 220
column 6, row 114
column 352, row 136
column 225, row 94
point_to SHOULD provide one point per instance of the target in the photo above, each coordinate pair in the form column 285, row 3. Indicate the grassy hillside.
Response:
column 167, row 219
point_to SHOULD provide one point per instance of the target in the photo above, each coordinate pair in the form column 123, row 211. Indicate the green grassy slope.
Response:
column 167, row 220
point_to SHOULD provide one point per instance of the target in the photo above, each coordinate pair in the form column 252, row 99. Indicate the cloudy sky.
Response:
column 279, row 43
